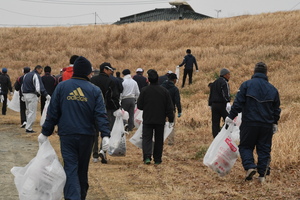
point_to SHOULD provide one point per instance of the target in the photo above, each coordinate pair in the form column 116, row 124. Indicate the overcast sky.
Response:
column 72, row 12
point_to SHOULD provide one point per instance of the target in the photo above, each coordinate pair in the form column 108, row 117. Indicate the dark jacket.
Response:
column 219, row 91
column 32, row 83
column 141, row 80
column 258, row 100
column 108, row 89
column 18, row 85
column 5, row 83
column 188, row 61
column 76, row 106
column 49, row 82
column 174, row 93
column 162, row 79
column 156, row 103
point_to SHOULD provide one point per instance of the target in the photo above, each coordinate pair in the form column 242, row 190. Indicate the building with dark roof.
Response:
column 179, row 10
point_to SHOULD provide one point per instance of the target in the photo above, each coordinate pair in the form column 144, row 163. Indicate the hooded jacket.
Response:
column 174, row 93
column 258, row 100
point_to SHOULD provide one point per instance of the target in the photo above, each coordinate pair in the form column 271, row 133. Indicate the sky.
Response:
column 80, row 12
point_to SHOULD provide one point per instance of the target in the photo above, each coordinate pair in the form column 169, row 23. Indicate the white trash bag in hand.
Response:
column 117, row 142
column 43, row 178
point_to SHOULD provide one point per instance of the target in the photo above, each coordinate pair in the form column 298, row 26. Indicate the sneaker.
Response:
column 157, row 163
column 102, row 155
column 261, row 179
column 30, row 131
column 250, row 173
column 147, row 161
column 23, row 125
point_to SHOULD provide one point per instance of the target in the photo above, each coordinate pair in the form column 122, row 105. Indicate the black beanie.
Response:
column 82, row 67
column 152, row 76
column 26, row 70
column 260, row 68
column 125, row 72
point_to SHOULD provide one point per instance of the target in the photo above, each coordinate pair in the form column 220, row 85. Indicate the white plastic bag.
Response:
column 138, row 118
column 43, row 178
column 43, row 117
column 117, row 142
column 137, row 138
column 14, row 104
column 177, row 72
column 236, row 128
column 222, row 153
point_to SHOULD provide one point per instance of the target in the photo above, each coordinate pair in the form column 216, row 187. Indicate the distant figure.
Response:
column 219, row 100
column 69, row 70
column 140, row 79
column 259, row 102
column 188, row 61
column 17, row 87
column 156, row 103
column 32, row 88
column 5, row 85
column 50, row 83
column 163, row 78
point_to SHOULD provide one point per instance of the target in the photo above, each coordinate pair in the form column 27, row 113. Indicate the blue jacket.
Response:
column 32, row 83
column 258, row 100
column 76, row 106
column 188, row 61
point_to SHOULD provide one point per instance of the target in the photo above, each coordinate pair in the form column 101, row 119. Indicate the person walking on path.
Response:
column 76, row 107
column 219, row 100
column 32, row 88
column 5, row 85
column 259, row 102
column 188, row 61
column 111, row 97
column 17, row 87
column 156, row 103
column 175, row 96
column 164, row 77
column 140, row 79
column 50, row 83
column 67, row 74
column 129, row 96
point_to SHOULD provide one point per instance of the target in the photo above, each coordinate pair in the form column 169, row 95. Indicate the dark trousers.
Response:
column 147, row 143
column 129, row 105
column 43, row 101
column 76, row 151
column 22, row 111
column 261, row 138
column 218, row 111
column 4, row 105
column 188, row 72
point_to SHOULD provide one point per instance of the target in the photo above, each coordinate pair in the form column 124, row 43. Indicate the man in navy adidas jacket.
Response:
column 76, row 106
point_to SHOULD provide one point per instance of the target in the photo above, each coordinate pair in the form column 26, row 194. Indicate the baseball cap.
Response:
column 139, row 70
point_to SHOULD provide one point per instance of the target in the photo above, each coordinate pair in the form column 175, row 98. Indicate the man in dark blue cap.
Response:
column 5, row 85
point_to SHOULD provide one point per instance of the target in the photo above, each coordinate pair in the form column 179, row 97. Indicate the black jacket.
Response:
column 219, row 91
column 141, row 80
column 49, row 82
column 5, row 83
column 174, row 93
column 188, row 61
column 108, row 89
column 156, row 103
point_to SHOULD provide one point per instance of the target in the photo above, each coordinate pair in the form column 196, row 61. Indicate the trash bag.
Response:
column 138, row 118
column 43, row 178
column 117, row 142
column 222, row 153
column 14, row 104
column 43, row 117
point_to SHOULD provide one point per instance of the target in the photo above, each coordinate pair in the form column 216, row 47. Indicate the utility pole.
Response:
column 218, row 12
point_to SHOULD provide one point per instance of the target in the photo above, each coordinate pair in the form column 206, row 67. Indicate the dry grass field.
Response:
column 235, row 43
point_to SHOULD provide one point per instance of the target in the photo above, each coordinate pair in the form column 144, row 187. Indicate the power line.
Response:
column 46, row 16
column 103, row 3
column 295, row 5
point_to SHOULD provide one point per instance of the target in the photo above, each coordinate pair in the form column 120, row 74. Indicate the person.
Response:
column 76, row 107
column 140, row 79
column 175, row 96
column 219, row 100
column 129, row 96
column 188, row 61
column 156, row 103
column 50, row 83
column 5, row 85
column 259, row 102
column 118, row 75
column 59, row 76
column 67, row 74
column 164, row 77
column 117, row 82
column 32, row 88
column 111, row 98
column 17, row 87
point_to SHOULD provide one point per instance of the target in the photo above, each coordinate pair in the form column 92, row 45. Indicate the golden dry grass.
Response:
column 235, row 43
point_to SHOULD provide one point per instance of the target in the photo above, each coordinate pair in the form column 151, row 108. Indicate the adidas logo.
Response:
column 77, row 95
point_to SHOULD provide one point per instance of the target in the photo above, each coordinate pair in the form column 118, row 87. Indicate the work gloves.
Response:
column 275, row 128
column 228, row 121
column 48, row 97
column 171, row 124
column 228, row 107
column 42, row 138
column 179, row 115
column 105, row 143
